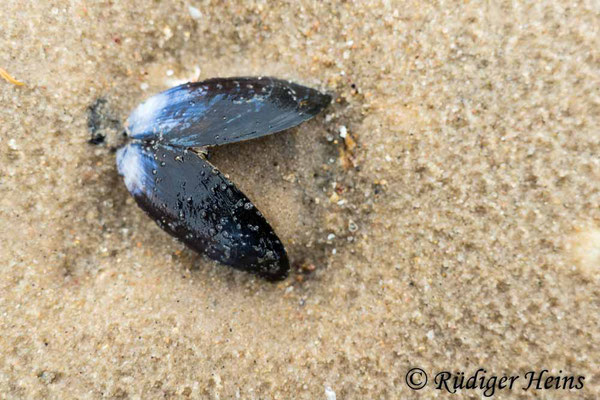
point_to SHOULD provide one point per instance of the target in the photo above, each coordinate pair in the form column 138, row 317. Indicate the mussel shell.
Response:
column 190, row 199
column 224, row 110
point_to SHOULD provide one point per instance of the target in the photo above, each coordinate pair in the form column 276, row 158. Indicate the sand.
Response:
column 456, row 226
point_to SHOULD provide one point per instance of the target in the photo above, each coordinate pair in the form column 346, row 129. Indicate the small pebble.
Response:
column 352, row 227
column 329, row 393
column 194, row 12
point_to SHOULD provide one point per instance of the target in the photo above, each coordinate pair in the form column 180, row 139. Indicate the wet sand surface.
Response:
column 456, row 226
